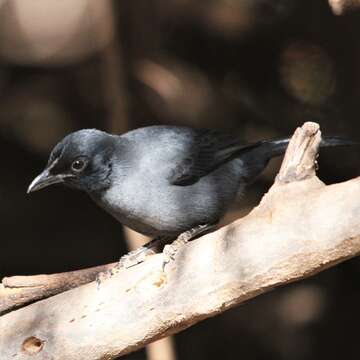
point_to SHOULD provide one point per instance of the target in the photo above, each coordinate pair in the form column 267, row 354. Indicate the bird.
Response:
column 172, row 183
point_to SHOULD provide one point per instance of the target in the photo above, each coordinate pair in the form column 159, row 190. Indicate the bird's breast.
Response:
column 145, row 201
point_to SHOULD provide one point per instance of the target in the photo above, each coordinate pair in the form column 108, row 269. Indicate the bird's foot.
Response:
column 132, row 258
column 170, row 250
column 104, row 275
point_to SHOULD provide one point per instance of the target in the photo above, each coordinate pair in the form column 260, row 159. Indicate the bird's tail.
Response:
column 256, row 156
column 278, row 147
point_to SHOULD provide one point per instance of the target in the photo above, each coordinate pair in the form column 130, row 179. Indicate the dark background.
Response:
column 255, row 68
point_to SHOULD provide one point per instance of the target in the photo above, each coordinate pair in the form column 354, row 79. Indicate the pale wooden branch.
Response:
column 340, row 7
column 300, row 228
column 17, row 291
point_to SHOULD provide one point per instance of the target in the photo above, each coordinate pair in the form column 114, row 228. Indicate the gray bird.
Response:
column 161, row 181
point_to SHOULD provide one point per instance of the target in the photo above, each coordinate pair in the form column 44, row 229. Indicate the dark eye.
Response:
column 78, row 165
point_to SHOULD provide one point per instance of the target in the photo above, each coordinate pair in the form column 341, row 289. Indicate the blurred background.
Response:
column 255, row 68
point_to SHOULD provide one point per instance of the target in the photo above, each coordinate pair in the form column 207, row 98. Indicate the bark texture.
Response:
column 300, row 227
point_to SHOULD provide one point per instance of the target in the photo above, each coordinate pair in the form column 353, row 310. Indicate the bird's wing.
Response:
column 207, row 150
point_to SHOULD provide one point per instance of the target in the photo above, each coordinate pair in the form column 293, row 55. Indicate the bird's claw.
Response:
column 134, row 257
column 104, row 275
column 170, row 250
column 169, row 254
column 130, row 259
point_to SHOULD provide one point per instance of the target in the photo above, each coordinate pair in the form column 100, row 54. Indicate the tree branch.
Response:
column 17, row 291
column 300, row 228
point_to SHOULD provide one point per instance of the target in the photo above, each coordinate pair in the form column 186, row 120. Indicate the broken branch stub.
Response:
column 300, row 157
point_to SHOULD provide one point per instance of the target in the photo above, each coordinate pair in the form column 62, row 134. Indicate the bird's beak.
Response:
column 45, row 179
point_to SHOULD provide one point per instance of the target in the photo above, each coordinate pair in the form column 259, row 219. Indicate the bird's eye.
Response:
column 78, row 165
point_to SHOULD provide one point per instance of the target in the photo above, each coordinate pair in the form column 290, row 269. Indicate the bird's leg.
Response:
column 170, row 250
column 152, row 247
column 135, row 257
column 139, row 255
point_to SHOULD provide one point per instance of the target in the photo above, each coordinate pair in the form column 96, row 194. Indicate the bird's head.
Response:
column 81, row 160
